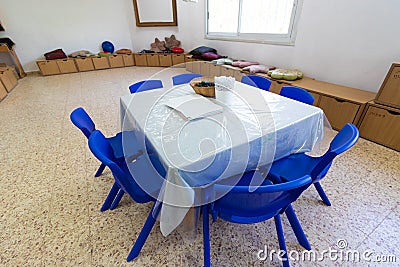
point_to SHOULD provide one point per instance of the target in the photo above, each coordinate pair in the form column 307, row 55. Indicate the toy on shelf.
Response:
column 171, row 42
column 107, row 47
column 258, row 68
column 286, row 74
column 157, row 46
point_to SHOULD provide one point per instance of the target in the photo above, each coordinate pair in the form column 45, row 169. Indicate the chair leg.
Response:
column 206, row 237
column 110, row 198
column 100, row 170
column 117, row 199
column 297, row 229
column 281, row 240
column 322, row 194
column 139, row 243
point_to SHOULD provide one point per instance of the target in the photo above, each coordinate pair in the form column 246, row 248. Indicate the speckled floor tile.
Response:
column 50, row 200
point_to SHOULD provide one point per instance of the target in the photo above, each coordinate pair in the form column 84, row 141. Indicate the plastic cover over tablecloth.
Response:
column 255, row 128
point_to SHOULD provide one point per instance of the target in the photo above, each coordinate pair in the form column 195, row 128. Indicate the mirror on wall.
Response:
column 151, row 13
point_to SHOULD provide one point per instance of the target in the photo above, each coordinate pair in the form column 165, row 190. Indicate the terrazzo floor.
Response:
column 50, row 200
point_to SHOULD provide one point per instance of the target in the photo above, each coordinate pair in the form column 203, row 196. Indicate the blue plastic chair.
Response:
column 298, row 165
column 257, row 81
column 298, row 94
column 244, row 207
column 184, row 78
column 126, row 183
column 145, row 85
column 82, row 120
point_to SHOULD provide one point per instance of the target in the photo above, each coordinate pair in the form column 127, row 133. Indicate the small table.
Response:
column 254, row 129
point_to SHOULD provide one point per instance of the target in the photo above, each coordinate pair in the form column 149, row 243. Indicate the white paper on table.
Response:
column 194, row 106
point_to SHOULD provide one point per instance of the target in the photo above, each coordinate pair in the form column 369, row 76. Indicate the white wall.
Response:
column 351, row 43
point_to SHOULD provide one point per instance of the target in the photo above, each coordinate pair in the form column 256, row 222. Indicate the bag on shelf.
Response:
column 55, row 54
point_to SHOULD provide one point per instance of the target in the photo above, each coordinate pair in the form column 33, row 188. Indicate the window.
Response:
column 264, row 21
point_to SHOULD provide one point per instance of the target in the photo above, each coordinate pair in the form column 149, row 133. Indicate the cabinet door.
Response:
column 382, row 125
column 152, row 60
column 205, row 68
column 67, row 65
column 339, row 112
column 48, row 67
column 317, row 98
column 165, row 60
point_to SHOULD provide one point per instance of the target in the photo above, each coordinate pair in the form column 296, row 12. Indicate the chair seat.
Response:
column 295, row 166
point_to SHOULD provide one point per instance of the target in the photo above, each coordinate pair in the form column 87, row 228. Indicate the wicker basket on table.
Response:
column 203, row 86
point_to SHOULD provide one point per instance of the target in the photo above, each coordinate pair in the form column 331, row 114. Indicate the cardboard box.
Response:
column 129, row 60
column 381, row 124
column 8, row 79
column 67, row 65
column 140, row 59
column 165, row 60
column 116, row 61
column 48, row 67
column 178, row 59
column 152, row 60
column 389, row 93
column 101, row 63
column 3, row 91
column 84, row 63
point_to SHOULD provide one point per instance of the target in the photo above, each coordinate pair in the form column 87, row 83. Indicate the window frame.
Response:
column 279, row 39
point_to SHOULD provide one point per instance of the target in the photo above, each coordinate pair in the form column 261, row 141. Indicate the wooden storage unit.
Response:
column 196, row 66
column 67, row 65
column 178, row 59
column 152, row 60
column 341, row 104
column 204, row 68
column 8, row 79
column 389, row 93
column 129, row 60
column 3, row 91
column 381, row 124
column 48, row 67
column 84, row 63
column 140, row 59
column 116, row 61
column 227, row 71
column 101, row 63
column 215, row 70
column 165, row 60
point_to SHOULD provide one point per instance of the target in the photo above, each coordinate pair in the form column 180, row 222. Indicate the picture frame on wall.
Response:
column 154, row 13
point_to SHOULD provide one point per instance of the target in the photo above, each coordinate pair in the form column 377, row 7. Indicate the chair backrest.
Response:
column 145, row 85
column 102, row 150
column 241, row 206
column 344, row 140
column 298, row 94
column 82, row 120
column 257, row 81
column 184, row 78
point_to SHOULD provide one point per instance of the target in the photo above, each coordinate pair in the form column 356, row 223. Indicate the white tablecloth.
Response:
column 255, row 128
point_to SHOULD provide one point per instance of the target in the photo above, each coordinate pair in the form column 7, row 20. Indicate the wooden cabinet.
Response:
column 129, row 60
column 165, row 60
column 341, row 104
column 389, row 93
column 152, row 60
column 140, row 59
column 84, row 64
column 116, row 61
column 48, row 67
column 3, row 91
column 178, row 59
column 205, row 68
column 67, row 65
column 101, row 63
column 381, row 124
column 339, row 111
